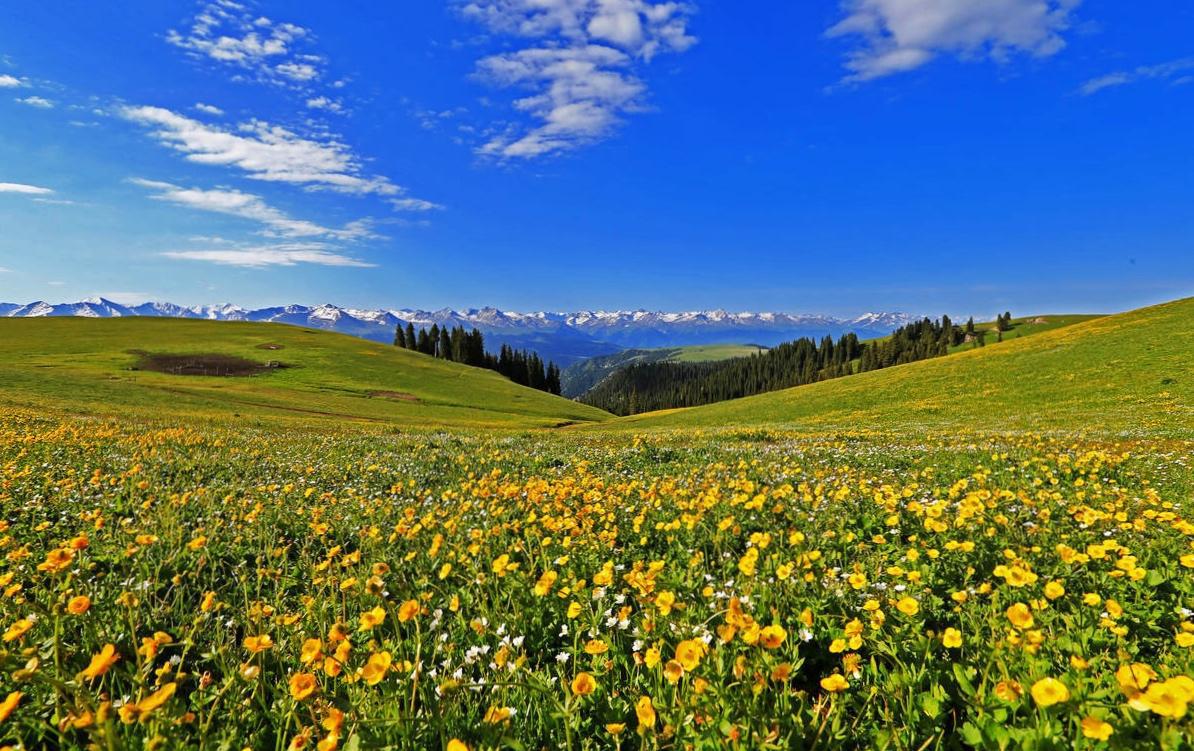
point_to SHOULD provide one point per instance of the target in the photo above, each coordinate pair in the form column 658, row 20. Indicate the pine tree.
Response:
column 399, row 337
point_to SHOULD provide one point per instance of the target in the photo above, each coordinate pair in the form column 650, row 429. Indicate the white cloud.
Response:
column 263, row 151
column 208, row 109
column 226, row 33
column 37, row 101
column 5, row 271
column 580, row 67
column 32, row 190
column 324, row 103
column 10, row 82
column 249, row 206
column 900, row 35
column 1165, row 71
column 414, row 204
column 271, row 255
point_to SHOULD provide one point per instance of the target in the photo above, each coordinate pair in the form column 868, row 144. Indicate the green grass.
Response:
column 1128, row 373
column 82, row 366
column 711, row 352
column 1027, row 326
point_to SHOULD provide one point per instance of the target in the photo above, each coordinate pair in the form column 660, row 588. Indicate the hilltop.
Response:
column 1126, row 373
column 579, row 377
column 106, row 367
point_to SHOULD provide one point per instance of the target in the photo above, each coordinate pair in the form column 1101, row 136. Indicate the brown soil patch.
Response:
column 398, row 395
column 226, row 366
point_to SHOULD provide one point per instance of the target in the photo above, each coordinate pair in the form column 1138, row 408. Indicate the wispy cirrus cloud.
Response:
column 10, row 82
column 580, row 66
column 208, row 109
column 1174, row 71
column 902, row 35
column 254, row 208
column 229, row 34
column 36, row 101
column 264, row 256
column 263, row 152
column 31, row 190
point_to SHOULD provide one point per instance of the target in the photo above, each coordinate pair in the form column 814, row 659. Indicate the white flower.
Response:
column 562, row 657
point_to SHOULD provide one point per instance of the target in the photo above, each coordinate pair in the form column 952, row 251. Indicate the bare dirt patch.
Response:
column 216, row 365
column 396, row 395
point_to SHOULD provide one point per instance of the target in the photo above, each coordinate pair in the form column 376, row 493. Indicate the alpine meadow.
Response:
column 699, row 376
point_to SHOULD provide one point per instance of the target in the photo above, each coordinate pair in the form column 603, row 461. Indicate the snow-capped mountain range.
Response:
column 563, row 337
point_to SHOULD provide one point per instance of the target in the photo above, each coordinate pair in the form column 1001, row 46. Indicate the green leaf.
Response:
column 971, row 734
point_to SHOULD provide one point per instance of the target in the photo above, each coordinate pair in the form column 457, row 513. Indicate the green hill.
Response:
column 579, row 377
column 106, row 368
column 1130, row 373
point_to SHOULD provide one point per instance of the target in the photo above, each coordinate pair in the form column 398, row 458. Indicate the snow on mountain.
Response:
column 565, row 337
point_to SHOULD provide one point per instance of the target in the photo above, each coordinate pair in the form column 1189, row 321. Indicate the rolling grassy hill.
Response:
column 1130, row 373
column 98, row 367
column 1027, row 326
column 579, row 377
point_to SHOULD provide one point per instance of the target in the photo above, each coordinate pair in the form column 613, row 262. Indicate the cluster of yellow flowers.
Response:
column 475, row 592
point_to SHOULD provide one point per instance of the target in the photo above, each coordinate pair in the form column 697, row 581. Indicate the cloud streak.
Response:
column 263, row 151
column 902, row 35
column 254, row 208
column 10, row 82
column 265, row 256
column 1172, row 71
column 580, row 68
column 37, row 101
column 22, row 188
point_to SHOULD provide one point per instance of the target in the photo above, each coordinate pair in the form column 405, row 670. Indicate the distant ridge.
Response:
column 560, row 336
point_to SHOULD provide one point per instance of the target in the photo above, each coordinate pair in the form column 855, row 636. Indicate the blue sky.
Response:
column 964, row 156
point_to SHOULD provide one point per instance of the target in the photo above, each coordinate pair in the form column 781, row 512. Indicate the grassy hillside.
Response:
column 1027, row 326
column 73, row 365
column 1126, row 373
column 579, row 377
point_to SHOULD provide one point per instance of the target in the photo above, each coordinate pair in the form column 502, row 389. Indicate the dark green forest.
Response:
column 652, row 386
column 468, row 347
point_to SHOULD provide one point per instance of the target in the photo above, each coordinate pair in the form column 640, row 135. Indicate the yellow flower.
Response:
column 155, row 700
column 615, row 728
column 78, row 605
column 596, row 647
column 545, row 583
column 407, row 611
column 834, row 683
column 496, row 715
column 908, row 606
column 1020, row 616
column 857, row 581
column 1185, row 639
column 302, row 685
column 1049, row 691
column 9, row 704
column 457, row 745
column 312, row 650
column 372, row 618
column 56, row 560
column 258, row 643
column 1169, row 698
column 1009, row 691
column 952, row 638
column 1093, row 727
column 689, row 653
column 1054, row 590
column 664, row 601
column 1090, row 599
column 644, row 710
column 18, row 629
column 583, row 684
column 673, row 671
column 771, row 637
column 376, row 668
column 101, row 662
column 573, row 609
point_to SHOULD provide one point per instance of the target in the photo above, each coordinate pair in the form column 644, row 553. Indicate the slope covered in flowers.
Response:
column 232, row 588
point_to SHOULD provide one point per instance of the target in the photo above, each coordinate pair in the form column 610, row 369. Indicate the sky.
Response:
column 842, row 156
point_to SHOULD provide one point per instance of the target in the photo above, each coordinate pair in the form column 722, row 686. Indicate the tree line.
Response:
column 468, row 347
column 646, row 387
